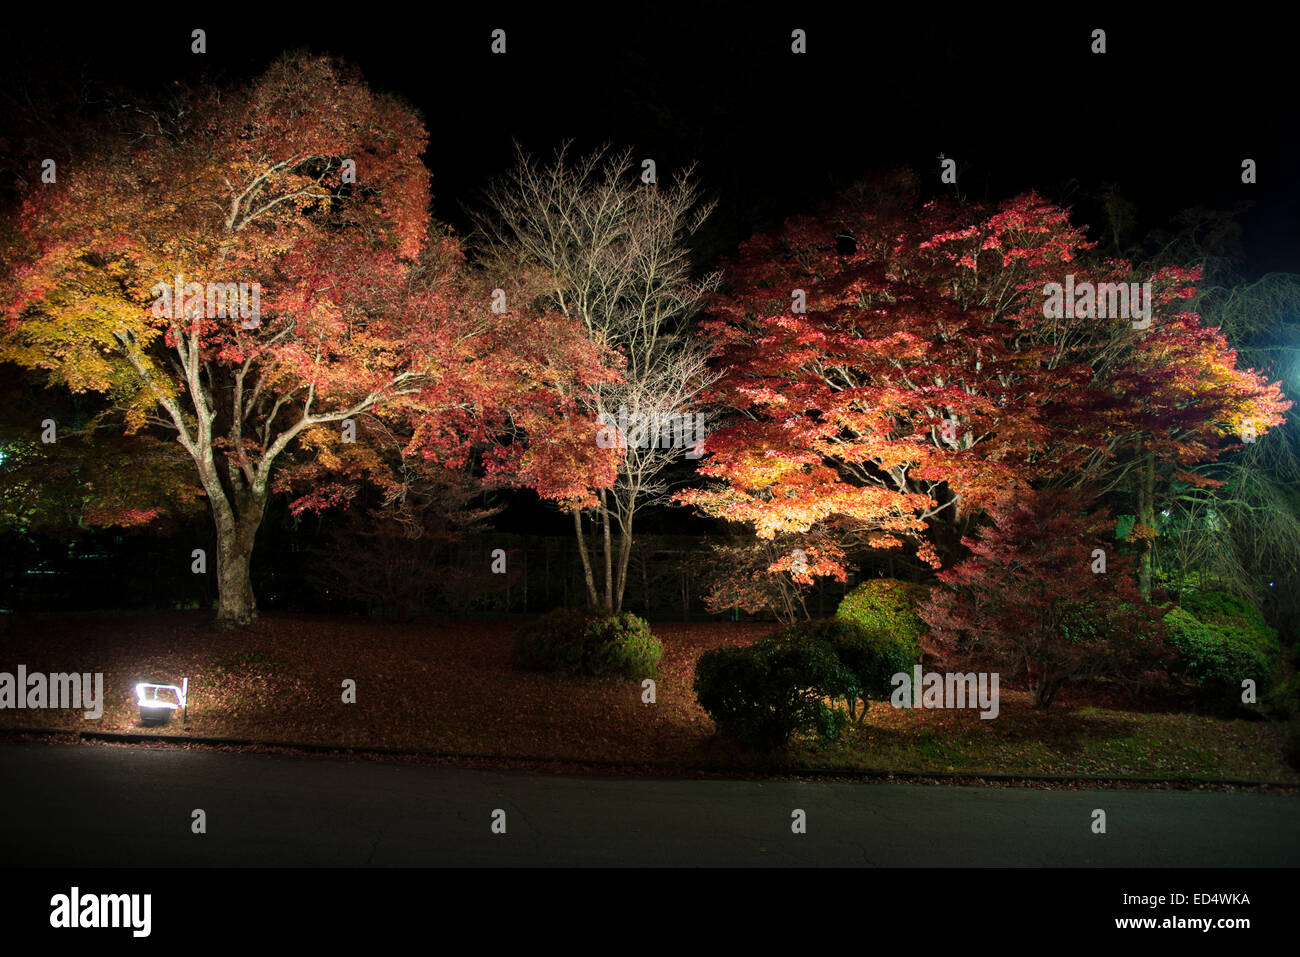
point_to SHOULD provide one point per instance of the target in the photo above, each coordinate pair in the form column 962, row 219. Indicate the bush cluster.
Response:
column 1222, row 640
column 887, row 606
column 589, row 642
column 762, row 694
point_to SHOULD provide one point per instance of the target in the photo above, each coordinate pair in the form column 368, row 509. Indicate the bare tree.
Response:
column 613, row 251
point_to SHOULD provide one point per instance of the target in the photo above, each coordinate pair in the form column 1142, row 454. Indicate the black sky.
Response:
column 1167, row 114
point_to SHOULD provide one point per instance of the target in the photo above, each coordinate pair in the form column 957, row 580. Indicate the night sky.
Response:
column 1166, row 115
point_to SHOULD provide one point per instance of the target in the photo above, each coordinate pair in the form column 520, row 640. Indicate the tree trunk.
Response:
column 609, row 553
column 586, row 559
column 236, row 604
column 237, row 518
column 1044, row 691
column 624, row 563
column 1147, row 519
column 686, row 596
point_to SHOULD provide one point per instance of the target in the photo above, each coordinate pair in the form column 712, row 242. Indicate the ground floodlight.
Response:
column 156, row 710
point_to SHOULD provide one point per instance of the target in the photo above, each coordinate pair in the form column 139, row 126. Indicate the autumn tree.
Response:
column 1233, row 517
column 610, row 246
column 66, row 469
column 768, row 576
column 1178, row 399
column 896, row 369
column 253, row 270
column 1198, row 460
column 1045, row 597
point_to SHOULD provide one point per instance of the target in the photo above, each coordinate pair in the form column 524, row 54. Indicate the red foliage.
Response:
column 1028, row 600
column 926, row 381
column 308, row 187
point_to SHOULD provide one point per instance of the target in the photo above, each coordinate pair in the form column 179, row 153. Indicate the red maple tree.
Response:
column 254, row 272
column 1044, row 596
column 894, row 371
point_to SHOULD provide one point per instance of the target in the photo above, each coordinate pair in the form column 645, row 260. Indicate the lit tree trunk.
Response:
column 609, row 553
column 237, row 515
column 236, row 604
column 1043, row 693
column 1044, row 682
column 586, row 559
column 624, row 564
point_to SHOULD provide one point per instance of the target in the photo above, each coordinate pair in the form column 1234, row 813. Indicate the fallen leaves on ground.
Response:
column 450, row 687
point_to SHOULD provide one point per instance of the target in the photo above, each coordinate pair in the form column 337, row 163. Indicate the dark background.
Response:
column 1167, row 114
column 1165, row 117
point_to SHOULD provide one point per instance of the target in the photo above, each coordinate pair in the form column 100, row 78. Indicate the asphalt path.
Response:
column 88, row 805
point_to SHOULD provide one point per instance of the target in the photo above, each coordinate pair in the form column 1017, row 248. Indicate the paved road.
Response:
column 93, row 805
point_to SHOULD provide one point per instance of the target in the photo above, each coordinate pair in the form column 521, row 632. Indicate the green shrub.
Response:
column 1234, row 615
column 760, row 695
column 888, row 606
column 871, row 658
column 1220, row 607
column 1218, row 655
column 553, row 642
column 731, row 685
column 623, row 645
column 589, row 642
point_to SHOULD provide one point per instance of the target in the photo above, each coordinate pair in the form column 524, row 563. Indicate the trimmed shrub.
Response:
column 887, row 606
column 1234, row 616
column 589, row 642
column 553, row 642
column 871, row 657
column 1221, row 607
column 731, row 685
column 761, row 695
column 1218, row 655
